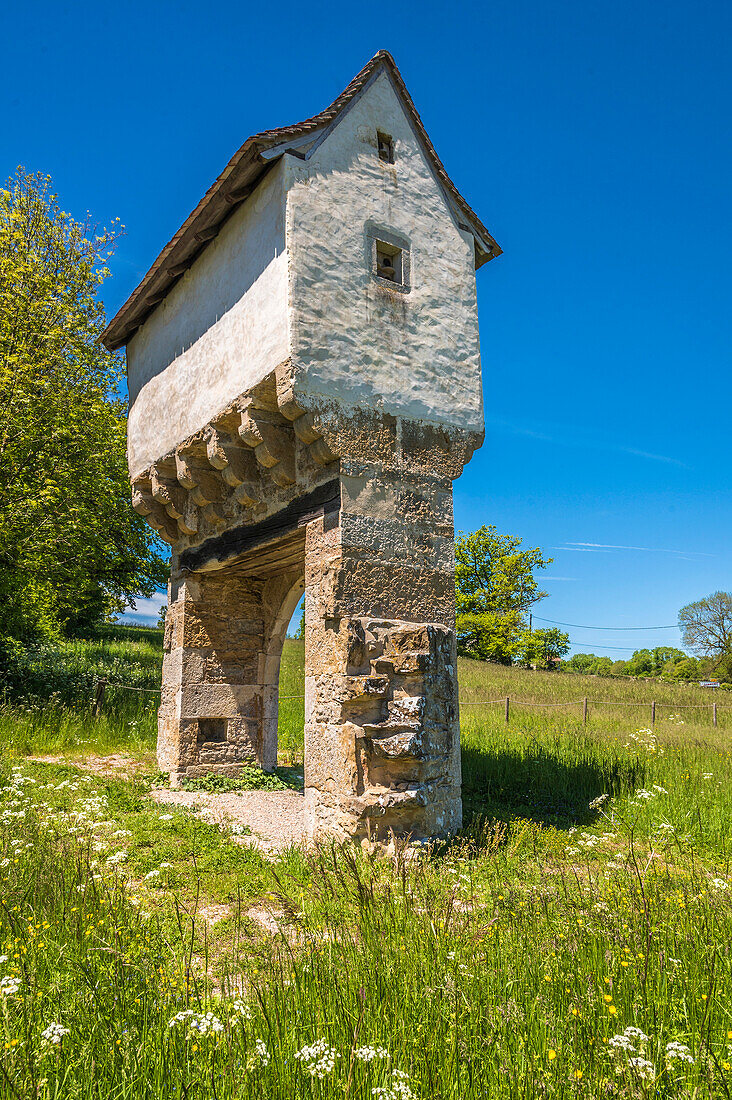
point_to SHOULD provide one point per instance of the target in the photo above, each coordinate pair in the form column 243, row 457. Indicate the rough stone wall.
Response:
column 223, row 639
column 381, row 710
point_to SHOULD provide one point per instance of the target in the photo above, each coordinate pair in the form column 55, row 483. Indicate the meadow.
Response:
column 573, row 941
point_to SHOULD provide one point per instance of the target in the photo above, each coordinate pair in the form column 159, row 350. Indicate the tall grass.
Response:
column 506, row 964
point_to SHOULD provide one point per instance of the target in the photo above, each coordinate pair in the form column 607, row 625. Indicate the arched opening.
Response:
column 280, row 598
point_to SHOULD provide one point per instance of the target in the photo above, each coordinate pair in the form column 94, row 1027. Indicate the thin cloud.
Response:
column 608, row 547
column 577, row 440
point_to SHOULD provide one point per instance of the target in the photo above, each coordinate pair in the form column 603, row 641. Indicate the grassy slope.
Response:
column 499, row 966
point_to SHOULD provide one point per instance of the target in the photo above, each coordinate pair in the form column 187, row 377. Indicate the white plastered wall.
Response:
column 411, row 354
column 220, row 330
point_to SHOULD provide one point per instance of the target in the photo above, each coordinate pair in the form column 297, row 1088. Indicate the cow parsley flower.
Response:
column 54, row 1033
column 261, row 1049
column 397, row 1089
column 368, row 1054
column 9, row 986
column 645, row 1069
column 677, row 1051
column 318, row 1059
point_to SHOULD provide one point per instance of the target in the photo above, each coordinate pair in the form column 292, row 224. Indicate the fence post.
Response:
column 653, row 714
column 714, row 712
column 508, row 707
column 99, row 697
column 584, row 711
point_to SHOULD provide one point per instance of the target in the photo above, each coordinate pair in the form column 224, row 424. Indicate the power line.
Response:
column 579, row 626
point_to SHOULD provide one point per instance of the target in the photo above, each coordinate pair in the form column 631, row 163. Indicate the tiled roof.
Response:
column 238, row 180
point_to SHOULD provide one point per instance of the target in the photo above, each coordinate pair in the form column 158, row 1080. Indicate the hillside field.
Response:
column 574, row 941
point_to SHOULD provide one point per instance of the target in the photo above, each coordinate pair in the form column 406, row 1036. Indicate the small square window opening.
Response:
column 389, row 262
column 212, row 730
column 386, row 147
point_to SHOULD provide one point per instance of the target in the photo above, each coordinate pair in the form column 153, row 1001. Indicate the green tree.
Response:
column 494, row 589
column 706, row 626
column 72, row 551
column 542, row 647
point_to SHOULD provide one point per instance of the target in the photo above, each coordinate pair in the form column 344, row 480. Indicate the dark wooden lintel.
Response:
column 225, row 548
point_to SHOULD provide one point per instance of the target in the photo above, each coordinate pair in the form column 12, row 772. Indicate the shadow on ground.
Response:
column 538, row 786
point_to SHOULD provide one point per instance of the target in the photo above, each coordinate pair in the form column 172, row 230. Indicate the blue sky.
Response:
column 592, row 139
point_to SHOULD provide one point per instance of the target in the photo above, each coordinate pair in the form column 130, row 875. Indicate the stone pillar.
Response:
column 382, row 748
column 223, row 642
column 211, row 707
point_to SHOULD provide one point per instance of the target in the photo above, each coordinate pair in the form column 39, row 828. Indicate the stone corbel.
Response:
column 145, row 504
column 271, row 441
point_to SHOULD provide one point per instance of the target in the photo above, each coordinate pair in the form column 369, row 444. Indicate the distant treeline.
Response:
column 663, row 662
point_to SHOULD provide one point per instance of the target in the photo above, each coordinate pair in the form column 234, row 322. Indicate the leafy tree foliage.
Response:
column 494, row 589
column 71, row 548
column 706, row 625
column 542, row 648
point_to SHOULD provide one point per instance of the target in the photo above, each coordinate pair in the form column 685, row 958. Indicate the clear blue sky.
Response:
column 592, row 139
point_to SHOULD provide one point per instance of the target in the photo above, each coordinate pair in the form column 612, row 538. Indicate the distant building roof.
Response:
column 240, row 177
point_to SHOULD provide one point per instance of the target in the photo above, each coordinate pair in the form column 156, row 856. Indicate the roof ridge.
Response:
column 236, row 182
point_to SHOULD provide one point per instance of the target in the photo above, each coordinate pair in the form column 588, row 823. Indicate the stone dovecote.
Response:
column 305, row 385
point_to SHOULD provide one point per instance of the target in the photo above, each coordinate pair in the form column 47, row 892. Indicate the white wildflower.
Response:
column 679, row 1052
column 202, row 1023
column 597, row 802
column 163, row 866
column 645, row 1069
column 165, row 817
column 318, row 1059
column 637, row 1034
column 368, row 1054
column 152, row 874
column 9, row 986
column 398, row 1088
column 118, row 857
column 54, row 1033
column 719, row 884
column 261, row 1049
column 240, row 1008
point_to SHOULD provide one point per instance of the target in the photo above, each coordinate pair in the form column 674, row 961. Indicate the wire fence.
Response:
column 506, row 701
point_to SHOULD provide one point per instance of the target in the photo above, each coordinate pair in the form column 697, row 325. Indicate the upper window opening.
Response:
column 389, row 263
column 386, row 147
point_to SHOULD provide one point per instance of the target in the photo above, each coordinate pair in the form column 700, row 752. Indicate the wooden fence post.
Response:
column 584, row 711
column 99, row 697
column 653, row 714
column 508, row 707
column 714, row 712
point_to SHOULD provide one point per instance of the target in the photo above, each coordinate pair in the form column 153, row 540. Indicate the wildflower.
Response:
column 645, row 1069
column 239, row 1008
column 9, row 986
column 679, row 1052
column 398, row 1089
column 597, row 802
column 367, row 1054
column 551, row 1055
column 719, row 884
column 152, row 874
column 318, row 1059
column 202, row 1023
column 118, row 857
column 578, row 1075
column 165, row 817
column 54, row 1033
column 165, row 865
column 637, row 1034
column 262, row 1051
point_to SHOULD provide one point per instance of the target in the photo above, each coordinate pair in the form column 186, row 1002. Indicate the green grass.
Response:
column 497, row 965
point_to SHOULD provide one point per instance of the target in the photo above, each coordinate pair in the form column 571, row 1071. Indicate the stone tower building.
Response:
column 304, row 379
